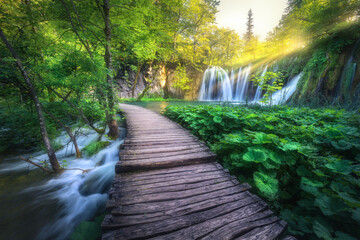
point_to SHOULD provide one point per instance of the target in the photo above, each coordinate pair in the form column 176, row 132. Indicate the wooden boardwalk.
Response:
column 168, row 186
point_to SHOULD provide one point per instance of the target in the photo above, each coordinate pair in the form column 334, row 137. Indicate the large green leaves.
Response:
column 342, row 167
column 256, row 155
column 298, row 159
column 267, row 185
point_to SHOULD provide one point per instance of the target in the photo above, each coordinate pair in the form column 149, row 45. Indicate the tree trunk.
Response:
column 110, row 118
column 50, row 152
column 67, row 129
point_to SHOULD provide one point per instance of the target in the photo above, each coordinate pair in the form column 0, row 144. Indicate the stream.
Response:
column 41, row 206
column 36, row 205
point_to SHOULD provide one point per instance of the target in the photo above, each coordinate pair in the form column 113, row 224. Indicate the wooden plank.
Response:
column 166, row 162
column 126, row 200
column 175, row 178
column 182, row 169
column 288, row 238
column 154, row 147
column 162, row 143
column 160, row 136
column 268, row 232
column 160, row 150
column 157, row 186
column 169, row 188
column 181, row 210
column 160, row 140
column 161, row 155
column 133, row 177
column 125, row 221
column 248, row 213
column 145, row 208
column 241, row 226
column 176, row 223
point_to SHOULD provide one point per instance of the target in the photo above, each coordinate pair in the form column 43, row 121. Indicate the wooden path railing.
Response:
column 168, row 186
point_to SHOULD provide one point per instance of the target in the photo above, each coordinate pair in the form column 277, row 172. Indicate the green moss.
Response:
column 95, row 147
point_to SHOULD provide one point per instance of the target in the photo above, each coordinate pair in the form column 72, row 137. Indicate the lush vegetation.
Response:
column 305, row 162
column 95, row 147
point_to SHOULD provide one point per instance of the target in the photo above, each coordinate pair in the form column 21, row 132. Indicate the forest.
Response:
column 282, row 113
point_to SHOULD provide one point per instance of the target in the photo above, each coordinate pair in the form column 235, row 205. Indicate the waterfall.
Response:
column 242, row 84
column 258, row 93
column 216, row 85
column 281, row 96
column 232, row 81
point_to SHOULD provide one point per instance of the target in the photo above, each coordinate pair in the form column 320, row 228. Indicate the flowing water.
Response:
column 242, row 84
column 36, row 205
column 218, row 86
column 282, row 95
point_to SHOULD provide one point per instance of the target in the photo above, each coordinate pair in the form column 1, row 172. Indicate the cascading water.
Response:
column 216, row 85
column 49, row 207
column 258, row 93
column 232, row 81
column 286, row 92
column 242, row 84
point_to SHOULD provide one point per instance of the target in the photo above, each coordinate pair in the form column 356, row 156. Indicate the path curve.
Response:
column 168, row 186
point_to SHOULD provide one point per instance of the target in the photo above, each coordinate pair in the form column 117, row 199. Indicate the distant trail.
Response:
column 168, row 186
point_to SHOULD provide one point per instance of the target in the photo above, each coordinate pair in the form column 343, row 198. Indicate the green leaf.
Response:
column 255, row 155
column 342, row 167
column 341, row 144
column 356, row 215
column 217, row 119
column 267, row 185
column 349, row 200
column 329, row 206
column 344, row 236
column 290, row 146
column 312, row 182
column 276, row 157
column 261, row 138
column 321, row 231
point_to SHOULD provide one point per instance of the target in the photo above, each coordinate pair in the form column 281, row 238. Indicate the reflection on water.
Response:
column 160, row 106
column 36, row 205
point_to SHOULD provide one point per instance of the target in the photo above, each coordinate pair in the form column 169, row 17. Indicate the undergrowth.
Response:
column 304, row 162
column 95, row 147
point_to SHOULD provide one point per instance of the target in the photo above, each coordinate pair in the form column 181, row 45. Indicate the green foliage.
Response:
column 95, row 147
column 20, row 127
column 88, row 230
column 305, row 162
column 270, row 82
column 180, row 78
